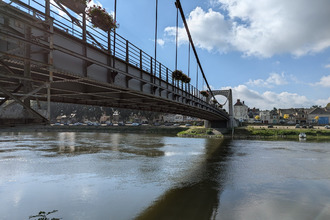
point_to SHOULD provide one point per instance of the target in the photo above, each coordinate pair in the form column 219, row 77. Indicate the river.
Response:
column 141, row 176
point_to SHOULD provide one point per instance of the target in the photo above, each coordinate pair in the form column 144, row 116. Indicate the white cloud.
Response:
column 261, row 28
column 207, row 30
column 324, row 82
column 280, row 26
column 269, row 100
column 274, row 79
column 160, row 42
column 322, row 102
column 327, row 66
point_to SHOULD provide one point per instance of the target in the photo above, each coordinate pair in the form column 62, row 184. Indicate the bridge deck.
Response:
column 37, row 54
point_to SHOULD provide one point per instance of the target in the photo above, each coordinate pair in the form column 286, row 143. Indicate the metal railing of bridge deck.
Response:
column 123, row 50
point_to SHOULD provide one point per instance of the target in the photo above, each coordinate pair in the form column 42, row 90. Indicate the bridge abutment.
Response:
column 216, row 124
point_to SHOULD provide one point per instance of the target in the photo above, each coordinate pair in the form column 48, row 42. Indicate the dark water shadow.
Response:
column 198, row 196
column 149, row 147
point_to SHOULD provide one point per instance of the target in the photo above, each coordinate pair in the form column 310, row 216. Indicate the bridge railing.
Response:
column 118, row 46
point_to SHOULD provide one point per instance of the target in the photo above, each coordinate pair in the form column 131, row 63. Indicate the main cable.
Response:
column 178, row 5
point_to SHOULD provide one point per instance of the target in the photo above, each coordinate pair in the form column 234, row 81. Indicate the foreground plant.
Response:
column 101, row 19
column 204, row 93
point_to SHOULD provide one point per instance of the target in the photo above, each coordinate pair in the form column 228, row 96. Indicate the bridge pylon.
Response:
column 220, row 123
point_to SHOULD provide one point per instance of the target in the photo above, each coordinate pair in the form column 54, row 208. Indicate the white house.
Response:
column 265, row 116
column 241, row 111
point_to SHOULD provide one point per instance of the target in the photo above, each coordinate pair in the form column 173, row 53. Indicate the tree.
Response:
column 286, row 116
column 328, row 106
column 257, row 117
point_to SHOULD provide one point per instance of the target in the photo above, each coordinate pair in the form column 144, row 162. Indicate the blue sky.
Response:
column 272, row 53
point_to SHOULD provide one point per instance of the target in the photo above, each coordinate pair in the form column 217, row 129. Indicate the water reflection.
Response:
column 198, row 196
column 128, row 176
column 66, row 140
column 74, row 144
column 277, row 180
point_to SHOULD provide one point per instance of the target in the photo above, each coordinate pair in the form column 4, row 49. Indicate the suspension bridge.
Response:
column 47, row 57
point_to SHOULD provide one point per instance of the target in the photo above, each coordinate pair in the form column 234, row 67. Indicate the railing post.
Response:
column 85, row 46
column 141, row 61
column 127, row 50
column 114, row 50
column 47, row 7
column 151, row 66
column 141, row 72
column 127, row 56
column 167, row 76
column 151, row 77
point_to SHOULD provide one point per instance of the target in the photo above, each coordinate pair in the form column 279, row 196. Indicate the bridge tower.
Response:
column 223, row 124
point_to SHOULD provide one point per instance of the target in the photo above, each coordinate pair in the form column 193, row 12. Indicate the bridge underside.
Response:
column 69, row 88
column 217, row 124
column 40, row 60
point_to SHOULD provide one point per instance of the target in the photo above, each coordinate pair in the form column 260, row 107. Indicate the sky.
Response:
column 271, row 53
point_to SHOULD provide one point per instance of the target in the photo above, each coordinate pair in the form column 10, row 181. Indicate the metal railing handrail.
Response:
column 124, row 49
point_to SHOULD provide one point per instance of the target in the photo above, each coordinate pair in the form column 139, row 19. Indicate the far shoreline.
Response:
column 144, row 129
column 261, row 132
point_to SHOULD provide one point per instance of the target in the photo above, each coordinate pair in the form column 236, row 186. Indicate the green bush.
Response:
column 209, row 131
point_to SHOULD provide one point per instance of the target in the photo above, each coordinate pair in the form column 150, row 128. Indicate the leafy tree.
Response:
column 286, row 116
column 328, row 106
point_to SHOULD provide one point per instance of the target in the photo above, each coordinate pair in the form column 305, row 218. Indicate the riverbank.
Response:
column 201, row 132
column 247, row 132
column 284, row 132
column 170, row 130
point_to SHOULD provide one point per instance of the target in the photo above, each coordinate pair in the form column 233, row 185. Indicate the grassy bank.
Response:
column 248, row 132
column 200, row 132
column 263, row 132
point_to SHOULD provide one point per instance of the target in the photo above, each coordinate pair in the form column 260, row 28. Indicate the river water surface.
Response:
column 140, row 176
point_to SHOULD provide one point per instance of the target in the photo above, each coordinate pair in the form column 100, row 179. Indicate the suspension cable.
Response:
column 176, row 38
column 203, row 83
column 114, row 36
column 156, row 33
column 178, row 5
column 197, row 77
column 156, row 23
column 189, row 60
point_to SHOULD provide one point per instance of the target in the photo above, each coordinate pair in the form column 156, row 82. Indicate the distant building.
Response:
column 296, row 115
column 116, row 116
column 171, row 118
column 61, row 119
column 104, row 119
column 322, row 113
column 265, row 116
column 252, row 113
column 274, row 116
column 64, row 119
column 241, row 111
column 289, row 113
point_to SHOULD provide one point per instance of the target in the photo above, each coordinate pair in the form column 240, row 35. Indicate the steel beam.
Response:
column 28, row 108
